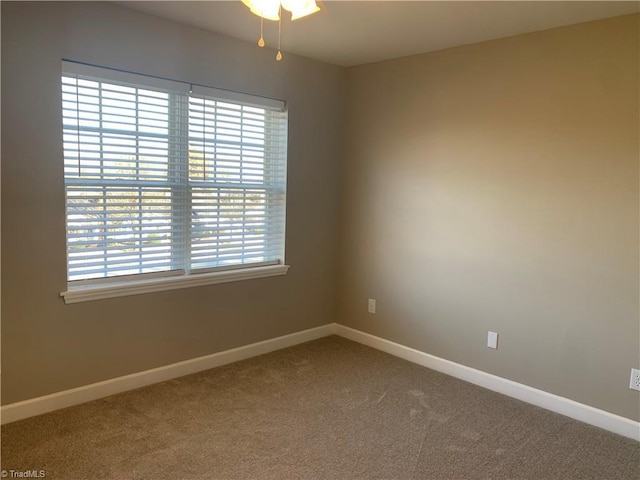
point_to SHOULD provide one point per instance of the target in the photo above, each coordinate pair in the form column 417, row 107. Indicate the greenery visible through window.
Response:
column 163, row 179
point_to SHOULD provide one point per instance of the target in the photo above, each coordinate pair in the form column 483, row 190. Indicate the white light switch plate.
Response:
column 492, row 340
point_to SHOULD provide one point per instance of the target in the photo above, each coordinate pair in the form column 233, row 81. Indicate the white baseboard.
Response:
column 578, row 411
column 584, row 413
column 48, row 403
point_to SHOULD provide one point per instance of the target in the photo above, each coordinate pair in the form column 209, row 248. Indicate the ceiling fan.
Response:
column 273, row 10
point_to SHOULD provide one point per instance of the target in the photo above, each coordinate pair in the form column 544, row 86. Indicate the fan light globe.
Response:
column 270, row 9
column 300, row 8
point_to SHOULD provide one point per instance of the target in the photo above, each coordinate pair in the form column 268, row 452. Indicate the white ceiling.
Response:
column 349, row 33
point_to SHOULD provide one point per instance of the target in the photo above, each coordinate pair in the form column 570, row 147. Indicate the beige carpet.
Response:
column 328, row 409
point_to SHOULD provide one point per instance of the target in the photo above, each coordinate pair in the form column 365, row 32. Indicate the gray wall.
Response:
column 48, row 346
column 495, row 187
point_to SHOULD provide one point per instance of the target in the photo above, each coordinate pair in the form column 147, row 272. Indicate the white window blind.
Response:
column 163, row 178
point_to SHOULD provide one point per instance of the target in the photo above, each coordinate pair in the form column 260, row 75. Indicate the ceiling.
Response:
column 349, row 33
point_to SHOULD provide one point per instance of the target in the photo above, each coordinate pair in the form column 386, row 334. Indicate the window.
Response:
column 168, row 184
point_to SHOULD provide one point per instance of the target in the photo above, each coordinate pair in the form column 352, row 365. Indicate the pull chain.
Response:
column 261, row 41
column 279, row 54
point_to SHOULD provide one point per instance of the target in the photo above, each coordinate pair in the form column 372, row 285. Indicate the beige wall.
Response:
column 495, row 187
column 48, row 346
column 492, row 186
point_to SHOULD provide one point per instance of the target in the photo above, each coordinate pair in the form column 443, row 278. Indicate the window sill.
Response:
column 87, row 293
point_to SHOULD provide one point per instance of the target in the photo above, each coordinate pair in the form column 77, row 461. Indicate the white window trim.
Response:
column 87, row 293
column 84, row 291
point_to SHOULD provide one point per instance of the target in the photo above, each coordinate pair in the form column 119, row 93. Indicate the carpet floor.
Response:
column 327, row 409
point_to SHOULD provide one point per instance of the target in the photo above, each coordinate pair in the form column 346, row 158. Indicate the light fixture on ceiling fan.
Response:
column 272, row 10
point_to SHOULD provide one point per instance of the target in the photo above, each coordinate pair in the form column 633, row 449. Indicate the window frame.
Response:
column 147, row 282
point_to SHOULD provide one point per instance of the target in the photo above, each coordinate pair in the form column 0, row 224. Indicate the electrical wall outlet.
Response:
column 492, row 340
column 634, row 383
column 371, row 306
